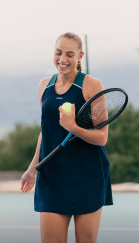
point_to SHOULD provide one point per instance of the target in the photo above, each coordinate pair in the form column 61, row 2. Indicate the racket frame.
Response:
column 97, row 96
column 68, row 139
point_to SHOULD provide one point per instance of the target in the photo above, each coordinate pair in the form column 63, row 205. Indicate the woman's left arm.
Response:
column 91, row 86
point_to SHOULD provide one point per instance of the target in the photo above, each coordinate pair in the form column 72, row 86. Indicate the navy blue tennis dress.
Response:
column 77, row 180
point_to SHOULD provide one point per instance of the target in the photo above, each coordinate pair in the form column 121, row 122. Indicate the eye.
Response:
column 69, row 55
column 58, row 53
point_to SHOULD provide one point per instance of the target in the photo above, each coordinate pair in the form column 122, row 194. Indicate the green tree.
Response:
column 123, row 147
column 18, row 147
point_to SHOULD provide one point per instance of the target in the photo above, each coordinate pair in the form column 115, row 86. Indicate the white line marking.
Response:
column 124, row 229
column 118, row 229
column 70, row 228
column 18, row 227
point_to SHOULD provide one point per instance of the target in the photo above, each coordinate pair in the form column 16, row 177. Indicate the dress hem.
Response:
column 60, row 212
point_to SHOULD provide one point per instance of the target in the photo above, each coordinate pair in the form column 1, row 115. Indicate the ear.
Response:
column 81, row 56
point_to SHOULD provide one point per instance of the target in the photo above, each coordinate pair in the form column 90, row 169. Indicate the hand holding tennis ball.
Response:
column 67, row 121
column 67, row 107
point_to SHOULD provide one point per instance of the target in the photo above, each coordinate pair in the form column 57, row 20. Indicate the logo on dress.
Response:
column 59, row 98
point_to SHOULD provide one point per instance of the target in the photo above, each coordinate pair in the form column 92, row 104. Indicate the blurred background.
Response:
column 29, row 30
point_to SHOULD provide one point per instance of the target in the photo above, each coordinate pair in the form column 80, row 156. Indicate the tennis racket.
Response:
column 96, row 113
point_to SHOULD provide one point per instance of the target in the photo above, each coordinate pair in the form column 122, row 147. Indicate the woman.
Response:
column 77, row 181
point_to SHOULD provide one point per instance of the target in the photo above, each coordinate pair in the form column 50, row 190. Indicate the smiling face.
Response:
column 66, row 55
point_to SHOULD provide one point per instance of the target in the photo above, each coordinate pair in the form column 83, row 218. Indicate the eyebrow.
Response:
column 66, row 52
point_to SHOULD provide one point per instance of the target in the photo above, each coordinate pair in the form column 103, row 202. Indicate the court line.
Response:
column 124, row 229
column 70, row 228
column 18, row 227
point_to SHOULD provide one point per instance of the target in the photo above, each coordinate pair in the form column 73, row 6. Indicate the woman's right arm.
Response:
column 28, row 179
column 35, row 159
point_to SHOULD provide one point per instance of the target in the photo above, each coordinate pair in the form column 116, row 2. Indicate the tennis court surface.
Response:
column 20, row 224
column 14, row 234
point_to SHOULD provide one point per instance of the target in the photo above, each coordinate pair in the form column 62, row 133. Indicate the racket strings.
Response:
column 101, row 109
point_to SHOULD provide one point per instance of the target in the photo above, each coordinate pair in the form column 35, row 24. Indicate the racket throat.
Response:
column 66, row 140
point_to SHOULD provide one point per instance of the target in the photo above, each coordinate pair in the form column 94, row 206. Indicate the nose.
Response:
column 63, row 58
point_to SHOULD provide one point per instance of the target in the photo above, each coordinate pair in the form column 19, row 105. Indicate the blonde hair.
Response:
column 76, row 38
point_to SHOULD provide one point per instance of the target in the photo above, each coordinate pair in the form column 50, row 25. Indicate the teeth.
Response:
column 63, row 65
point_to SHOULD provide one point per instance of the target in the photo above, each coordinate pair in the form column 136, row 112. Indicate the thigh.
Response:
column 87, row 227
column 54, row 227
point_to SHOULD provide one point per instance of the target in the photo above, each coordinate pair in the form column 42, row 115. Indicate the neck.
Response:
column 67, row 78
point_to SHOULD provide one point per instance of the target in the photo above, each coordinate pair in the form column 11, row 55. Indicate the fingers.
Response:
column 73, row 109
column 61, row 110
column 27, row 186
column 22, row 184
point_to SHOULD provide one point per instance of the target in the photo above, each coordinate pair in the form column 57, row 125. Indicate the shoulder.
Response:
column 44, row 82
column 91, row 86
column 42, row 85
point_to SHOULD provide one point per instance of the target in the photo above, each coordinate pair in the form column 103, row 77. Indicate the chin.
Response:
column 64, row 71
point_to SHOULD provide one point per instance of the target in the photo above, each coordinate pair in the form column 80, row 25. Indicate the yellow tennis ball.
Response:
column 67, row 107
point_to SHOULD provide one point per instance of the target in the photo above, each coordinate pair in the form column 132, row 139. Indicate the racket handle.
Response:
column 48, row 157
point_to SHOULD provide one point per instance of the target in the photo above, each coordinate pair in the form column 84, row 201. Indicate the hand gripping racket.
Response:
column 96, row 113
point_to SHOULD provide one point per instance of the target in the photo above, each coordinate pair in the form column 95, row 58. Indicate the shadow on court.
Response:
column 32, row 235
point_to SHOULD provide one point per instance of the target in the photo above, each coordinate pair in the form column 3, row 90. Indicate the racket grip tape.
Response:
column 48, row 157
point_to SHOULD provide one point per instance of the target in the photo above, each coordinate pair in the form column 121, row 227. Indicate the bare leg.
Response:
column 54, row 227
column 87, row 227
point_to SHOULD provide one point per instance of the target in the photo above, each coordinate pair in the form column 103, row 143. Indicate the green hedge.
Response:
column 18, row 147
column 123, row 147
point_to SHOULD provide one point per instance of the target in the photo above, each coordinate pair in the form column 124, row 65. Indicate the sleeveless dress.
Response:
column 77, row 180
